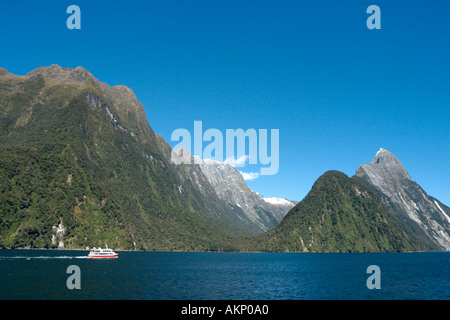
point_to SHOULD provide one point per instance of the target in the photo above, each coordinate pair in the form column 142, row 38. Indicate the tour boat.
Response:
column 102, row 253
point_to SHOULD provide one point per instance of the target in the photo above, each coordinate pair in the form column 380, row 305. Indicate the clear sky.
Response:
column 336, row 90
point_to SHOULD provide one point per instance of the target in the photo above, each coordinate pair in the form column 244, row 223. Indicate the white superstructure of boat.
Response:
column 102, row 253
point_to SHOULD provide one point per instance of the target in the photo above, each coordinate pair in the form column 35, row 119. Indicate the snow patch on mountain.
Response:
column 278, row 201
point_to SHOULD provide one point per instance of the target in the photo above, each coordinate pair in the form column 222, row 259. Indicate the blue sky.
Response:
column 336, row 90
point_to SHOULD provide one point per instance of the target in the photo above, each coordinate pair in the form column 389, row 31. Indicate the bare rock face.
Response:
column 424, row 214
column 228, row 184
column 231, row 187
column 385, row 166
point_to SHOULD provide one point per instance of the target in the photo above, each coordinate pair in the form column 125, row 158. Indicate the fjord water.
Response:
column 42, row 274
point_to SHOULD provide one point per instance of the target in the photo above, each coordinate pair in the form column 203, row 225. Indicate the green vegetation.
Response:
column 339, row 215
column 80, row 164
column 64, row 159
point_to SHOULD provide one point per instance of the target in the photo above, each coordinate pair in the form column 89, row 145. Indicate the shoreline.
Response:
column 183, row 251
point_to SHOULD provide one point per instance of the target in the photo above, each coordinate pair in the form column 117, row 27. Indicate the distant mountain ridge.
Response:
column 250, row 208
column 231, row 187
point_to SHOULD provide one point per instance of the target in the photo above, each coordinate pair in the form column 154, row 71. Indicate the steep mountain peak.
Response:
column 385, row 164
column 386, row 158
column 427, row 216
column 381, row 152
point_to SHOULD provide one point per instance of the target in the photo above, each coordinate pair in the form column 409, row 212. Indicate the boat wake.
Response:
column 44, row 257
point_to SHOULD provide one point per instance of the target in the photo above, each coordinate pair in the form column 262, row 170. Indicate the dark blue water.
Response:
column 42, row 274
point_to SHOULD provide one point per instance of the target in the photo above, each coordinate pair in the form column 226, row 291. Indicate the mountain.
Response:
column 279, row 206
column 244, row 209
column 339, row 215
column 426, row 216
column 80, row 166
column 380, row 208
column 230, row 186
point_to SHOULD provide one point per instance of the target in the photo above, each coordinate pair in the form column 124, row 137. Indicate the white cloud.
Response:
column 249, row 175
column 240, row 162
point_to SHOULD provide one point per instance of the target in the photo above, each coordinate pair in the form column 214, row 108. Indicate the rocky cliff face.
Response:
column 246, row 207
column 230, row 186
column 424, row 214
